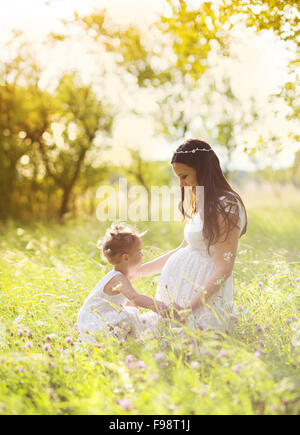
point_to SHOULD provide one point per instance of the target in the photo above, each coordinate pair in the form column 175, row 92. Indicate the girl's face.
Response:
column 135, row 256
column 187, row 175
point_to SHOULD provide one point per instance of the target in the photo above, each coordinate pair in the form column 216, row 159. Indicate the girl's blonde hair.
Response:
column 119, row 239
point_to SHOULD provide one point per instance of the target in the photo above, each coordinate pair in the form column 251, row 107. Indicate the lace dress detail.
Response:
column 188, row 269
column 101, row 311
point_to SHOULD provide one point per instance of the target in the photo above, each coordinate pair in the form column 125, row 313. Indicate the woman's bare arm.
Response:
column 154, row 267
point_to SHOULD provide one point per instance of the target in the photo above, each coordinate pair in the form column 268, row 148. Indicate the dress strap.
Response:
column 110, row 275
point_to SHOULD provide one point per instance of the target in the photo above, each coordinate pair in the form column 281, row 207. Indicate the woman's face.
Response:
column 187, row 175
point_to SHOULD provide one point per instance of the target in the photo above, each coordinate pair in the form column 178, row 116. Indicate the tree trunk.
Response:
column 65, row 202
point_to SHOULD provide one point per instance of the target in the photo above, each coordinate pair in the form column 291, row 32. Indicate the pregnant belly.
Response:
column 183, row 276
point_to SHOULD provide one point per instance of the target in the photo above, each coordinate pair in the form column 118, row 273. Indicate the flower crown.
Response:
column 192, row 151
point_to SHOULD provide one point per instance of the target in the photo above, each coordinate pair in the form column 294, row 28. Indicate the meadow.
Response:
column 46, row 272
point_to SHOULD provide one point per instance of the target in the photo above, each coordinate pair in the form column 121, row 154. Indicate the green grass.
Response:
column 46, row 272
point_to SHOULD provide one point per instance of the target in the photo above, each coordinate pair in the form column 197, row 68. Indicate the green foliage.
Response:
column 41, row 171
column 46, row 272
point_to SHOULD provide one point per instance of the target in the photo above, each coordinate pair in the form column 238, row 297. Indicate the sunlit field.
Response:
column 48, row 270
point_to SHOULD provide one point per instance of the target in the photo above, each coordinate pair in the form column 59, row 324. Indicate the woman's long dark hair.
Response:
column 210, row 175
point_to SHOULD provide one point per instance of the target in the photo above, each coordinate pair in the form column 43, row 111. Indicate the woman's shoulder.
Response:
column 230, row 203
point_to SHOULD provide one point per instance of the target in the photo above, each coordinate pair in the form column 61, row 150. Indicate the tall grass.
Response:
column 46, row 272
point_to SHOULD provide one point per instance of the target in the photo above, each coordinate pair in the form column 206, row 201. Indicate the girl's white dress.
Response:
column 101, row 311
column 188, row 269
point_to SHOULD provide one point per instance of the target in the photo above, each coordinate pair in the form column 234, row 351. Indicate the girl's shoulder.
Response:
column 114, row 281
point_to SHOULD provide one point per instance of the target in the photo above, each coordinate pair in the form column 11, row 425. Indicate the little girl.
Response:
column 105, row 308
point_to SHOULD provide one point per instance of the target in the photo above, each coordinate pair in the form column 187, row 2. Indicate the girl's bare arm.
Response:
column 138, row 299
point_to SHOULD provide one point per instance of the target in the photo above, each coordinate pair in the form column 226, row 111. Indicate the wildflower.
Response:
column 293, row 319
column 69, row 341
column 159, row 356
column 203, row 392
column 287, row 321
column 261, row 343
column 117, row 331
column 205, row 352
column 141, row 365
column 258, row 353
column 21, row 369
column 290, row 283
column 260, row 283
column 28, row 332
column 129, row 359
column 259, row 328
column 20, row 332
column 194, row 364
column 267, row 328
column 47, row 347
column 163, row 365
column 51, row 365
column 50, row 337
column 297, row 279
column 192, row 347
column 124, row 403
column 130, row 362
column 28, row 344
column 236, row 369
column 239, row 308
column 222, row 354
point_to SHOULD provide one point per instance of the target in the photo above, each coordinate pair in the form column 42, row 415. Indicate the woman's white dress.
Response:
column 101, row 311
column 188, row 269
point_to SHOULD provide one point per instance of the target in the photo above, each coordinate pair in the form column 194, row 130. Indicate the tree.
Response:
column 21, row 105
column 79, row 116
column 50, row 143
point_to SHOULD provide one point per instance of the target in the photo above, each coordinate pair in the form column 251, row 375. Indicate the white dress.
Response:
column 101, row 311
column 188, row 269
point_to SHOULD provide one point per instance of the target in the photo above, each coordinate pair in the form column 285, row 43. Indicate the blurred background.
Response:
column 97, row 90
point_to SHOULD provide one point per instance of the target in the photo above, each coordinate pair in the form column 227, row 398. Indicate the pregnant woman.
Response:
column 198, row 275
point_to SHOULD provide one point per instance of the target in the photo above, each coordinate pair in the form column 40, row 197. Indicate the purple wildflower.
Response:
column 141, row 365
column 258, row 353
column 205, row 352
column 69, row 340
column 47, row 347
column 124, row 403
column 194, row 365
column 222, row 354
column 159, row 356
column 28, row 344
column 259, row 328
column 236, row 369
